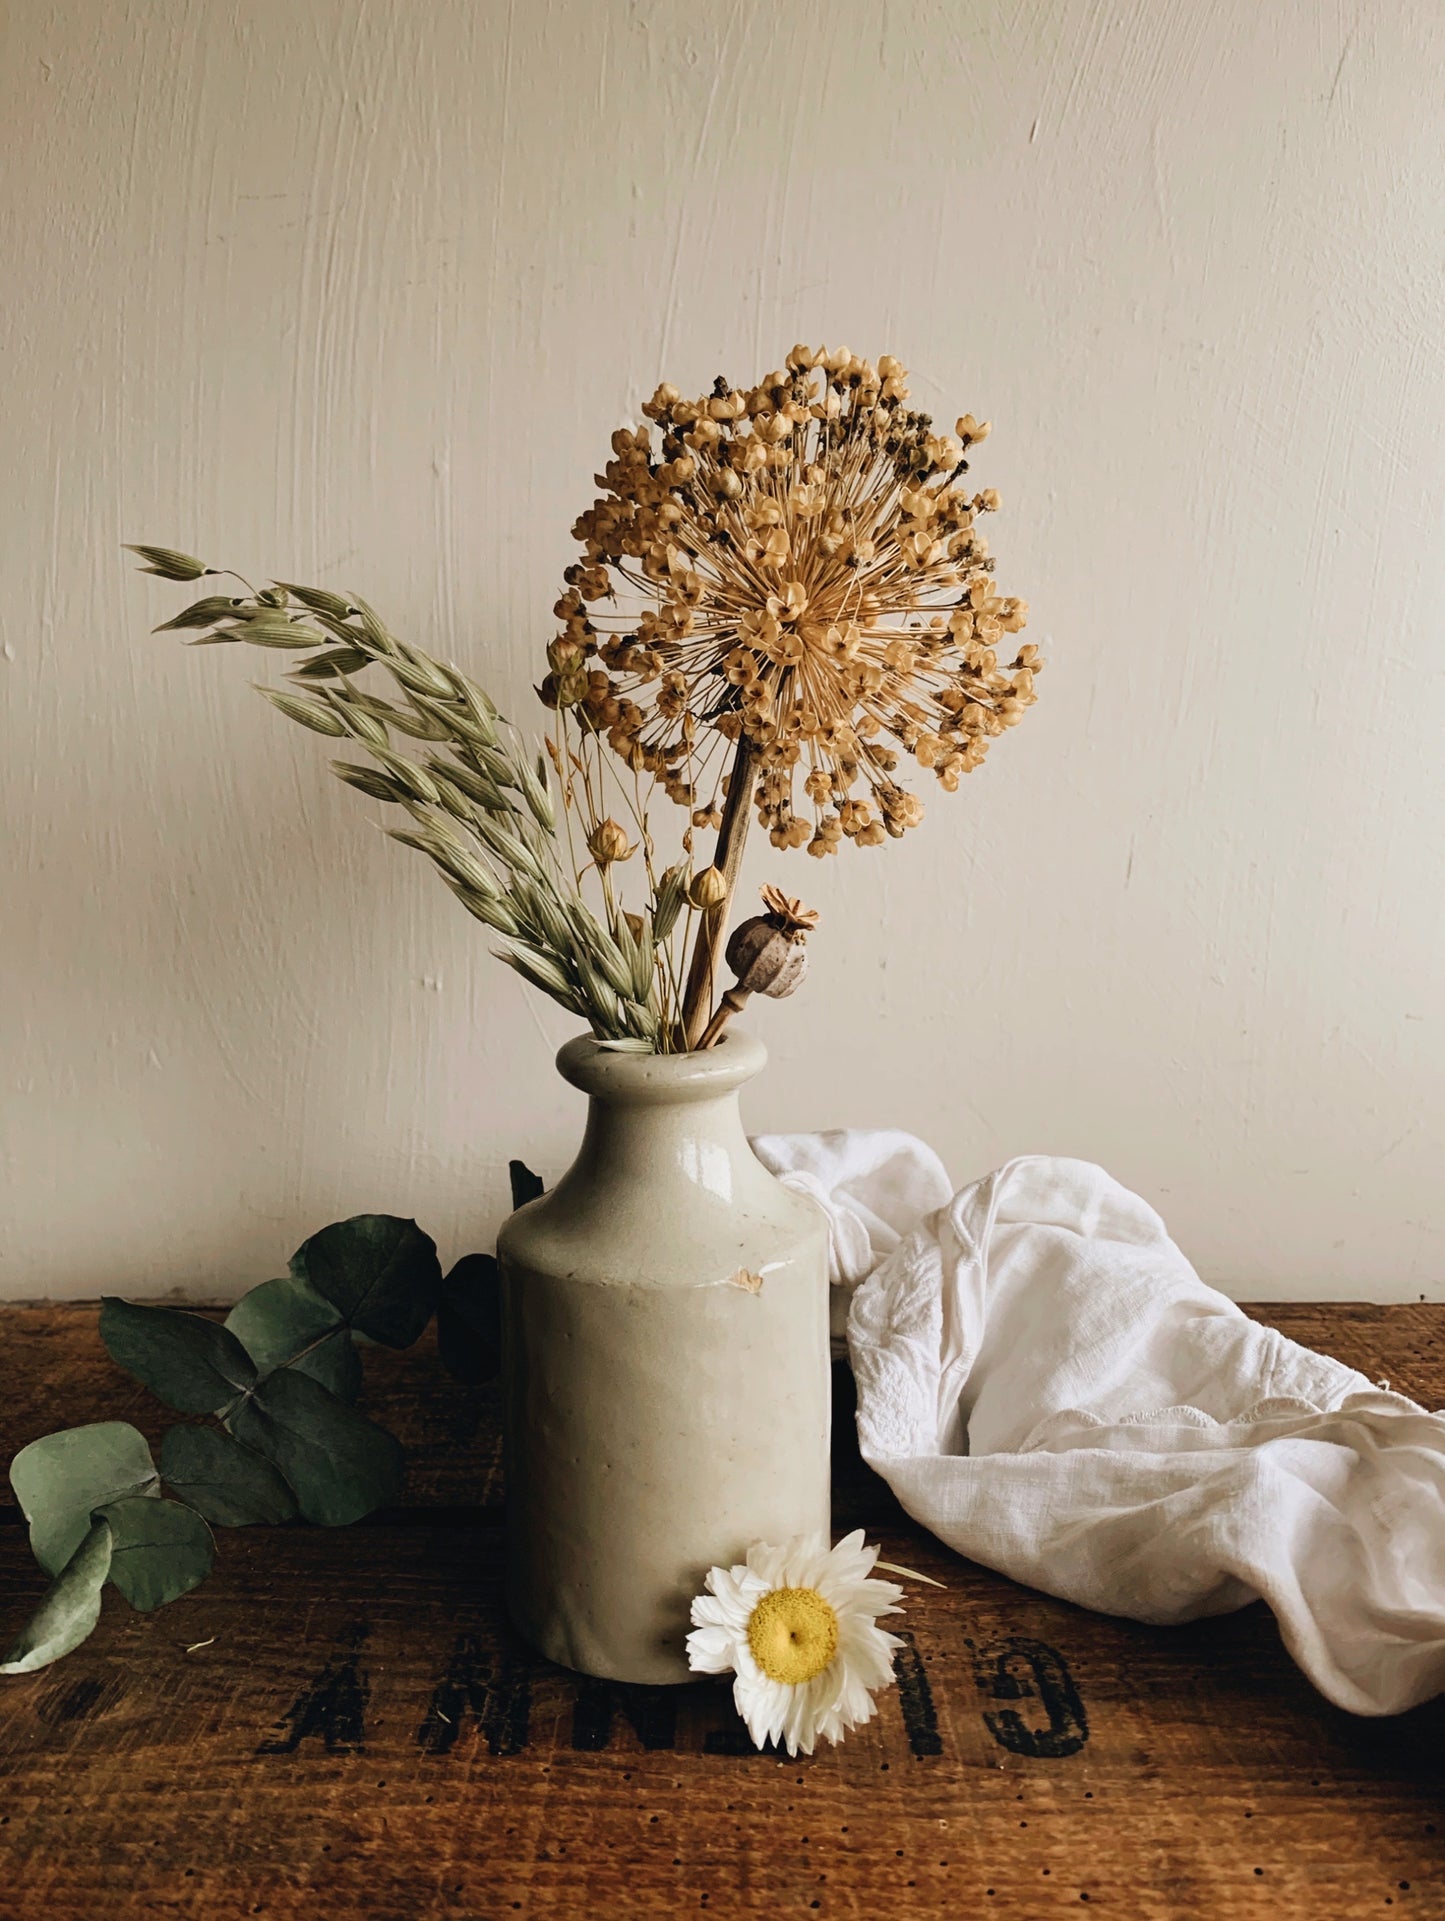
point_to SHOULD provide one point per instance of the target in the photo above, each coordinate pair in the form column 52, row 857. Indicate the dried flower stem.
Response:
column 733, row 1001
column 728, row 858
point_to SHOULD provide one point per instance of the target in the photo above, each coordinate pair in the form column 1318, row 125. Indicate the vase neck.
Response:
column 695, row 1145
column 667, row 1127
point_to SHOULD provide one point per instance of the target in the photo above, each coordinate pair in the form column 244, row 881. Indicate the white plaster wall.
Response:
column 355, row 290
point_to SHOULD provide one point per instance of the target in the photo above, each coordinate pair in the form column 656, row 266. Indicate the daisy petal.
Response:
column 711, row 1650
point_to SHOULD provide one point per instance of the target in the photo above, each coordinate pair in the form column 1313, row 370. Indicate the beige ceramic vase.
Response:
column 665, row 1362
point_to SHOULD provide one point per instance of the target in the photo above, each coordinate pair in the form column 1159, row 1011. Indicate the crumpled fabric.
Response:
column 1049, row 1387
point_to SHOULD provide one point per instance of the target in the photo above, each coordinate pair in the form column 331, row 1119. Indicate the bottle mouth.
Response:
column 656, row 1080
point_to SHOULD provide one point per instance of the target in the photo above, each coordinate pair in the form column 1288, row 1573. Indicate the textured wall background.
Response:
column 356, row 292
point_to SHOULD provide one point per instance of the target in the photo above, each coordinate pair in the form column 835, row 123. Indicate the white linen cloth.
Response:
column 1046, row 1384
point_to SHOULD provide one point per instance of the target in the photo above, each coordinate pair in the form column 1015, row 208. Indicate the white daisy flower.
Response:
column 798, row 1627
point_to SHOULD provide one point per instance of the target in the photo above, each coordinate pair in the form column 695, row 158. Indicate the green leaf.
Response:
column 61, row 1478
column 381, row 1273
column 340, row 1465
column 159, row 1549
column 169, row 564
column 70, row 1607
column 279, row 1321
column 227, row 1483
column 469, row 1331
column 526, row 1186
column 196, row 1366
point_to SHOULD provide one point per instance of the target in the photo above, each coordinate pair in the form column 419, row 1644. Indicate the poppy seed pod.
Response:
column 766, row 958
column 769, row 956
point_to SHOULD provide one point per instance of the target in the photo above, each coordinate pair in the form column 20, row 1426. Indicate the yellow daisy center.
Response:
column 793, row 1634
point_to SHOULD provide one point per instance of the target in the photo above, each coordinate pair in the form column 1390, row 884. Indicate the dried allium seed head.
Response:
column 765, row 958
column 798, row 564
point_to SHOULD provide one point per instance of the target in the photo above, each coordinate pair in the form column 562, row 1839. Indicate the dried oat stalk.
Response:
column 478, row 806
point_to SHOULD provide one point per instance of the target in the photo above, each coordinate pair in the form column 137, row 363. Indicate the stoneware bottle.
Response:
column 665, row 1362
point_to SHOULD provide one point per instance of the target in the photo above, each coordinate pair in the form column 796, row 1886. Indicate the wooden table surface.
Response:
column 341, row 1724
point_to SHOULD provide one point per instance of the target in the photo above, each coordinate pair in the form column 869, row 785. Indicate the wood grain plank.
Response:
column 361, row 1735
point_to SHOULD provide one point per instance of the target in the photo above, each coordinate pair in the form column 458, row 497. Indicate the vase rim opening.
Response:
column 631, row 1079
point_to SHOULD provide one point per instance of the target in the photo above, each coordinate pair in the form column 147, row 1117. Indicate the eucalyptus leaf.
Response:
column 61, row 1478
column 159, row 1549
column 340, row 1465
column 69, row 1609
column 223, row 1481
column 196, row 1366
column 526, row 1186
column 380, row 1272
column 469, row 1319
column 286, row 1323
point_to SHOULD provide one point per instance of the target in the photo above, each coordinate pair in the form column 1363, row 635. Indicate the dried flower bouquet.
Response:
column 776, row 598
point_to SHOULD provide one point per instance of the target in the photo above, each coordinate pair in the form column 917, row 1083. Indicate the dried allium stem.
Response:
column 728, row 858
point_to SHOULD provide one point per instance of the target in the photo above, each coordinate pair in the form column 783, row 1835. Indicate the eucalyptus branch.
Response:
column 278, row 1378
